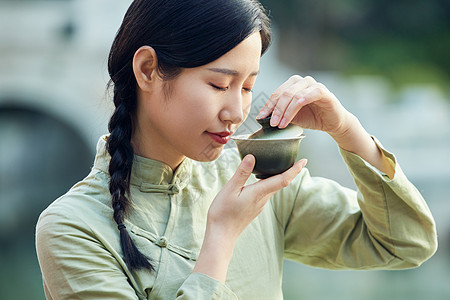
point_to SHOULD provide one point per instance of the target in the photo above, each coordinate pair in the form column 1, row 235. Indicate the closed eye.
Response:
column 223, row 89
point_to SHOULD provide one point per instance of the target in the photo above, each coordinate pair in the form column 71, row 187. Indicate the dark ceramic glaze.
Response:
column 268, row 132
column 274, row 149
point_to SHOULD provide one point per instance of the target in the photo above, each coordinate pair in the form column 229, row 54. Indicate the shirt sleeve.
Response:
column 385, row 224
column 75, row 265
column 199, row 286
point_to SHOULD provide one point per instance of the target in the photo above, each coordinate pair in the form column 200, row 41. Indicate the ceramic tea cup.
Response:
column 274, row 149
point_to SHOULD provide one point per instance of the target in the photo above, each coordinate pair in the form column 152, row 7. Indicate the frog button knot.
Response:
column 174, row 189
column 161, row 242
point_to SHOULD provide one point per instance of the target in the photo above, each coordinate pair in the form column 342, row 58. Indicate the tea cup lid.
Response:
column 269, row 132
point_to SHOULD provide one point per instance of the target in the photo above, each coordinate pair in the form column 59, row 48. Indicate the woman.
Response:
column 159, row 217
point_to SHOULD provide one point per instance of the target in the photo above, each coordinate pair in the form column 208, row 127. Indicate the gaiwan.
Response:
column 274, row 149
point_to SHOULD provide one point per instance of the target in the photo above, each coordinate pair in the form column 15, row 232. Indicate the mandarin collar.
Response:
column 150, row 176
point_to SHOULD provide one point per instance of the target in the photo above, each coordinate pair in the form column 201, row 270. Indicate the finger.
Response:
column 243, row 172
column 268, row 107
column 287, row 97
column 275, row 183
column 300, row 99
column 274, row 98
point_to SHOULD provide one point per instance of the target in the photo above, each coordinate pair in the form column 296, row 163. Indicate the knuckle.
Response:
column 260, row 195
column 284, row 181
column 321, row 86
column 310, row 79
column 287, row 94
column 275, row 95
column 278, row 110
column 265, row 107
column 295, row 78
column 243, row 172
column 322, row 90
column 298, row 96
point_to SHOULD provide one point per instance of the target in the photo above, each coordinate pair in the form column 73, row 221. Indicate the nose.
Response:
column 233, row 110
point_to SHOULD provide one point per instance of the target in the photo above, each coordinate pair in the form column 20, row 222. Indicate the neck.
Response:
column 155, row 149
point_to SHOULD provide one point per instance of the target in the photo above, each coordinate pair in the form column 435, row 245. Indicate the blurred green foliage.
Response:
column 407, row 41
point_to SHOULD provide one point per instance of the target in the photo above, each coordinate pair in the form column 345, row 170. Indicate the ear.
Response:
column 145, row 65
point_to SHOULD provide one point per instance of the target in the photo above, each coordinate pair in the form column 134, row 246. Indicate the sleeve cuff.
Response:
column 353, row 160
column 201, row 287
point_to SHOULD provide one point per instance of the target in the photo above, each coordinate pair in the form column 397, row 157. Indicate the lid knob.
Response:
column 267, row 132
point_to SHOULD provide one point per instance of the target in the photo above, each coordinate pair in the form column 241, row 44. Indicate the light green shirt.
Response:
column 315, row 221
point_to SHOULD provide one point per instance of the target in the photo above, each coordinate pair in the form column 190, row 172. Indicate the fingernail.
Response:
column 304, row 162
column 260, row 115
column 283, row 123
column 274, row 120
column 247, row 159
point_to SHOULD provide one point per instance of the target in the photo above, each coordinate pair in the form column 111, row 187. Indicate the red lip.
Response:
column 220, row 137
column 222, row 134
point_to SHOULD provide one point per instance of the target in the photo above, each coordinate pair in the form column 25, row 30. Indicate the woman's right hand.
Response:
column 237, row 205
column 233, row 209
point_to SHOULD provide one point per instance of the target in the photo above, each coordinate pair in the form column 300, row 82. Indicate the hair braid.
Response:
column 121, row 151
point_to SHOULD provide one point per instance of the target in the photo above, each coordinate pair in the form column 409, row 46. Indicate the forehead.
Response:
column 244, row 58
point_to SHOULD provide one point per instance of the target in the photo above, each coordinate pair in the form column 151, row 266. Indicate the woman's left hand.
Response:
column 309, row 104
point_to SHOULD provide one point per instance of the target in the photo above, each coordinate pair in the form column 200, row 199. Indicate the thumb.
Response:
column 243, row 172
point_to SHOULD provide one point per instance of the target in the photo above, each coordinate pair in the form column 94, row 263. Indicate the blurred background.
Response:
column 387, row 61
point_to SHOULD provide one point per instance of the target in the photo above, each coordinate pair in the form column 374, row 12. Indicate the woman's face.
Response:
column 203, row 107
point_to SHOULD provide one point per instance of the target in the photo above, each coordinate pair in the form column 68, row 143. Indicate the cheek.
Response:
column 246, row 105
column 195, row 104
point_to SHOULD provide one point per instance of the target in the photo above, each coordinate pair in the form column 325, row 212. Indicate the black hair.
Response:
column 184, row 34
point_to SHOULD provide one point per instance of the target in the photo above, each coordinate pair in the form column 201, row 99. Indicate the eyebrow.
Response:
column 230, row 72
